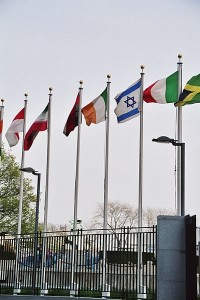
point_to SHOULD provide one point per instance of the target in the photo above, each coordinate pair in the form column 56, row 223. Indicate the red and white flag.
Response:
column 40, row 124
column 17, row 125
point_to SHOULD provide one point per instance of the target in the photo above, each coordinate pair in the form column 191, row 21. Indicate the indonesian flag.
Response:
column 40, row 124
column 17, row 125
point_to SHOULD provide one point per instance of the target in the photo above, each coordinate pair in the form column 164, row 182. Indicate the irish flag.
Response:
column 163, row 91
column 95, row 112
column 17, row 125
column 40, row 124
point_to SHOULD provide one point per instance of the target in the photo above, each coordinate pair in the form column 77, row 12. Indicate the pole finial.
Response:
column 142, row 67
column 108, row 76
column 180, row 55
column 50, row 89
column 81, row 81
column 2, row 101
column 26, row 94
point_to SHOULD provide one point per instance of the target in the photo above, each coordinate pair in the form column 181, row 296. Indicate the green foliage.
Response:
column 9, row 197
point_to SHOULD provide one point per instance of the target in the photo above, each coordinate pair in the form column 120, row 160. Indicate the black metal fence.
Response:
column 121, row 263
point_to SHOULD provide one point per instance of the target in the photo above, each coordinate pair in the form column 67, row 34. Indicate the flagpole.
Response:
column 22, row 173
column 141, row 152
column 48, row 161
column 74, row 288
column 17, row 283
column 2, row 114
column 140, row 288
column 77, row 159
column 44, row 250
column 105, row 219
column 179, row 136
column 105, row 287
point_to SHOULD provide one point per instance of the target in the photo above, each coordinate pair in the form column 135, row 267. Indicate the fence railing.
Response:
column 73, row 263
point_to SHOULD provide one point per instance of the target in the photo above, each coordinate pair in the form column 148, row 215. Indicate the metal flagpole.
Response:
column 1, row 119
column 179, row 136
column 105, row 290
column 77, row 159
column 105, row 220
column 43, row 273
column 17, row 283
column 74, row 287
column 140, row 287
column 141, row 152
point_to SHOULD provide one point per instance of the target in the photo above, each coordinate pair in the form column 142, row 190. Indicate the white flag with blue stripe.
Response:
column 128, row 103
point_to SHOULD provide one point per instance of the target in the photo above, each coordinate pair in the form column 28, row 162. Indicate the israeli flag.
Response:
column 128, row 103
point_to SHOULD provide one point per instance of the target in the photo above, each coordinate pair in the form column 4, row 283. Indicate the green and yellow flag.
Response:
column 191, row 92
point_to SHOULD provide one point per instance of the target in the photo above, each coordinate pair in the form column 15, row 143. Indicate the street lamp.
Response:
column 167, row 140
column 32, row 171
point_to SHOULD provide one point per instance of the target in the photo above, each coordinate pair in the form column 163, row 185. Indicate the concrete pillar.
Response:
column 171, row 258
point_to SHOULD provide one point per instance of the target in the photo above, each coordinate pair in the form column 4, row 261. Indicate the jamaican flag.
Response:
column 191, row 92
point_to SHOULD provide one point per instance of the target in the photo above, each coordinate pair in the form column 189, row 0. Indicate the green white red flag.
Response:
column 163, row 91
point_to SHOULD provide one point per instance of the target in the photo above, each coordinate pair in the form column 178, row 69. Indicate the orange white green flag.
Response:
column 95, row 111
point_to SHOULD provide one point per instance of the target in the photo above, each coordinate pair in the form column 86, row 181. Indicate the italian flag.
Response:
column 163, row 91
column 95, row 112
column 17, row 125
column 40, row 124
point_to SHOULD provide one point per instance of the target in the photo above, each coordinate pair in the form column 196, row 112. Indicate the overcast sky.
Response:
column 57, row 43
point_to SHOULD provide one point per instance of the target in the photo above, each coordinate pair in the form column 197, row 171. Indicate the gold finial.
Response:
column 180, row 55
column 108, row 76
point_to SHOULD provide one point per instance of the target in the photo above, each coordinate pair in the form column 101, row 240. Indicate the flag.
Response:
column 163, row 91
column 128, row 103
column 40, row 124
column 72, row 120
column 95, row 111
column 191, row 92
column 12, row 134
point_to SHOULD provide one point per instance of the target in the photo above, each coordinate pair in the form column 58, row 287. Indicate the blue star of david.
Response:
column 130, row 101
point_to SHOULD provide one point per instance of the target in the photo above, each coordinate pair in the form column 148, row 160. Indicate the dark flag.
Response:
column 72, row 120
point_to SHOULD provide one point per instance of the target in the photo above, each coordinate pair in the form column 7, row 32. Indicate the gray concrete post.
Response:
column 171, row 258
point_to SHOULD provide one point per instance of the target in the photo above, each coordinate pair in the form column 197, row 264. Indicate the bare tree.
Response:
column 150, row 215
column 122, row 214
column 119, row 215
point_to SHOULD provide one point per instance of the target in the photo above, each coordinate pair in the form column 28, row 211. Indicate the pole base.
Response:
column 44, row 292
column 17, row 291
column 142, row 296
column 74, row 290
column 106, row 292
column 143, row 292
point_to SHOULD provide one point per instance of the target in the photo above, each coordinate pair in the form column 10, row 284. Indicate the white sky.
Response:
column 57, row 43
